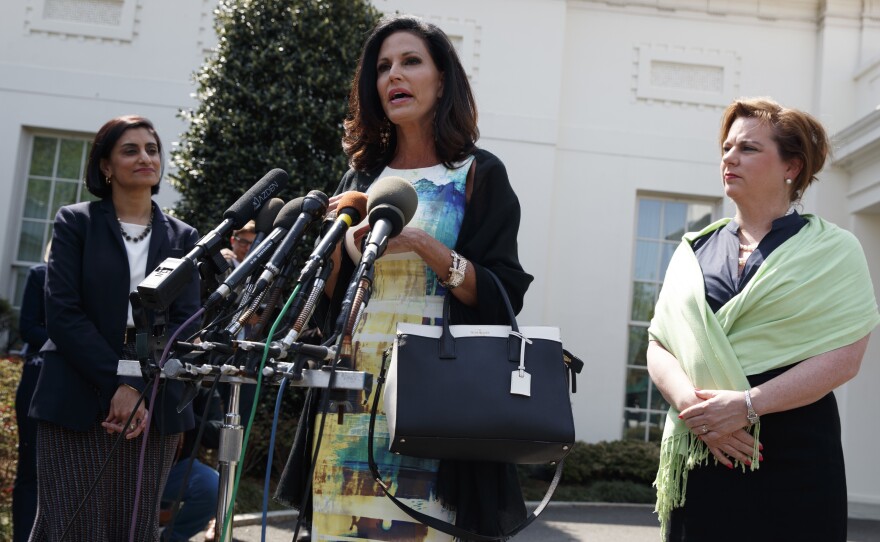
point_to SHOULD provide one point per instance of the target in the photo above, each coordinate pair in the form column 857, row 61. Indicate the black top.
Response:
column 718, row 255
column 32, row 322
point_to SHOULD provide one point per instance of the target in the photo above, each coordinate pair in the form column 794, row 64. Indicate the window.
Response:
column 661, row 223
column 55, row 172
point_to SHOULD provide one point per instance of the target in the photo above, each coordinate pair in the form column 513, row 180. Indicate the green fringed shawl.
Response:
column 813, row 294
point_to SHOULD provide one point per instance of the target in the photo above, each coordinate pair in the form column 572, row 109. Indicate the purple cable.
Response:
column 137, row 493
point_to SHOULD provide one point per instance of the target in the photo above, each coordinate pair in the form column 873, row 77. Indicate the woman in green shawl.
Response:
column 760, row 318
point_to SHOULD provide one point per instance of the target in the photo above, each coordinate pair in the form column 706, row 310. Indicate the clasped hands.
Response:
column 121, row 405
column 718, row 418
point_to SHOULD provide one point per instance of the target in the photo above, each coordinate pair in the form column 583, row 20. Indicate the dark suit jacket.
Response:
column 87, row 287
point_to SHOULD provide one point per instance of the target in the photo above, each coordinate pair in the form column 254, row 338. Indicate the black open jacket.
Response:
column 486, row 496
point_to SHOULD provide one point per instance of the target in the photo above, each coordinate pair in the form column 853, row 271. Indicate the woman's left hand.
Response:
column 720, row 411
column 121, row 405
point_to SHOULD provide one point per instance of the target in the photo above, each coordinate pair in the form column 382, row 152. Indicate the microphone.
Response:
column 165, row 283
column 392, row 203
column 258, row 255
column 352, row 206
column 309, row 208
column 266, row 220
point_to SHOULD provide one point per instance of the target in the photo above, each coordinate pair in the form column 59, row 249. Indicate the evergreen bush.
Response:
column 273, row 94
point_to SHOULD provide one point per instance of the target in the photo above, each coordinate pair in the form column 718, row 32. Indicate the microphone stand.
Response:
column 353, row 306
column 343, row 383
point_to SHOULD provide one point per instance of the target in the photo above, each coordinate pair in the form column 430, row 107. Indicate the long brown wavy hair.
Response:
column 455, row 117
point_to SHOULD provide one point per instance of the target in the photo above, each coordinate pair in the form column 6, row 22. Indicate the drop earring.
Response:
column 385, row 134
column 108, row 180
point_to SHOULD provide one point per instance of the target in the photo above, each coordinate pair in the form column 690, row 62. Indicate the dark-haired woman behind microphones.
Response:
column 412, row 115
column 101, row 250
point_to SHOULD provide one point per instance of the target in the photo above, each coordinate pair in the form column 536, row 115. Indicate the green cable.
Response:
column 247, row 431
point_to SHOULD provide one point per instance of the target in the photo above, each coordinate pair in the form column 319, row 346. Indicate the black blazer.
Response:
column 87, row 287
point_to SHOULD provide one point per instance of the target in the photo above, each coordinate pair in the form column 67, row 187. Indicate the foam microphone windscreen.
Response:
column 251, row 201
column 394, row 199
column 316, row 203
column 356, row 202
column 289, row 213
column 266, row 217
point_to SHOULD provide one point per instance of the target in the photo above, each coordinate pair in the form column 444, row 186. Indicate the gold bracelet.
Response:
column 456, row 271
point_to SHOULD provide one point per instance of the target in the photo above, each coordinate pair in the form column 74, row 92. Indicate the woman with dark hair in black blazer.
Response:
column 101, row 250
column 412, row 114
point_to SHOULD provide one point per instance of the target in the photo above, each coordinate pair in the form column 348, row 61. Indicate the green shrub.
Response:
column 617, row 471
column 629, row 460
column 10, row 372
column 273, row 94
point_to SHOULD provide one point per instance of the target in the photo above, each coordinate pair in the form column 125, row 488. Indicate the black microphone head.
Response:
column 251, row 201
column 394, row 199
column 266, row 217
column 315, row 203
column 289, row 213
column 353, row 204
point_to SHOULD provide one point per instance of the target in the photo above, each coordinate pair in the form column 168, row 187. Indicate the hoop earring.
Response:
column 385, row 134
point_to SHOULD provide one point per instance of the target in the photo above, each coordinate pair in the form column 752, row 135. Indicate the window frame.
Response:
column 647, row 417
column 18, row 267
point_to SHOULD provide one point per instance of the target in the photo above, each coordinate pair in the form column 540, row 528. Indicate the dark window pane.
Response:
column 638, row 346
column 30, row 244
column 674, row 220
column 65, row 194
column 649, row 218
column 644, row 298
column 647, row 259
column 633, row 425
column 655, row 430
column 36, row 202
column 43, row 156
column 637, row 381
column 85, row 195
column 70, row 160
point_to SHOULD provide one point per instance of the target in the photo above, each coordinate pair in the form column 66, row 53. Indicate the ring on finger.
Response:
column 705, row 429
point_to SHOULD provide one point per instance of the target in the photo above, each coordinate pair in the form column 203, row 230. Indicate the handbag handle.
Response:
column 431, row 521
column 447, row 341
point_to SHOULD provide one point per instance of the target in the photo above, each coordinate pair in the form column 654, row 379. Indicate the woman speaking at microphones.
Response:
column 412, row 115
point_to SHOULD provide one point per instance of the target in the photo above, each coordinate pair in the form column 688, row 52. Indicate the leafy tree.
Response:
column 273, row 94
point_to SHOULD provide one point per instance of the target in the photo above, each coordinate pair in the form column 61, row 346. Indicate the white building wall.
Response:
column 570, row 100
